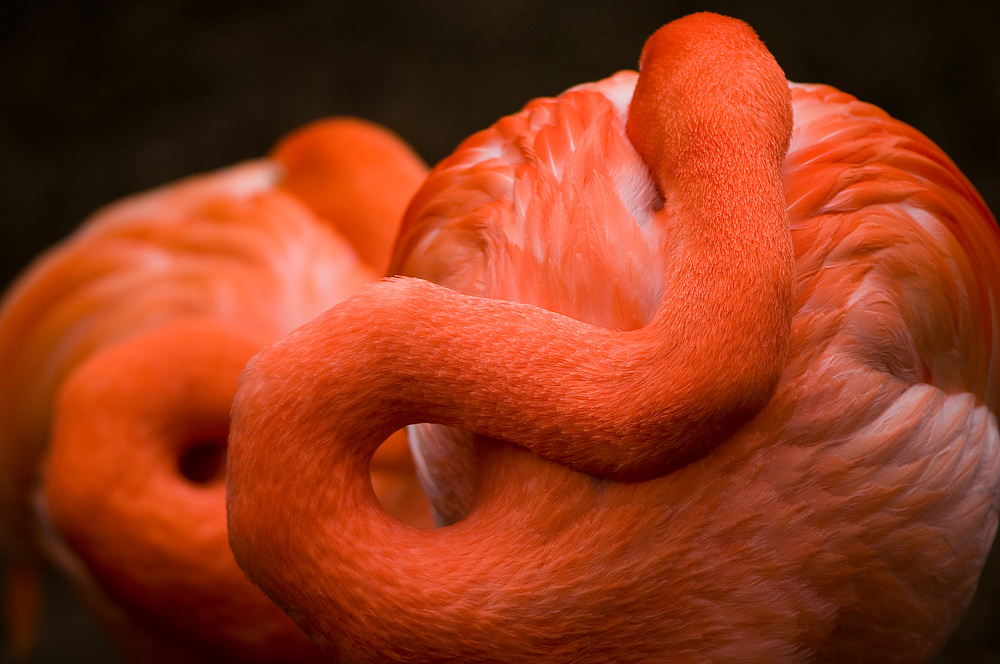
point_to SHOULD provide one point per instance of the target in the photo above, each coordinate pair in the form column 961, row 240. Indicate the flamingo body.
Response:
column 122, row 348
column 842, row 515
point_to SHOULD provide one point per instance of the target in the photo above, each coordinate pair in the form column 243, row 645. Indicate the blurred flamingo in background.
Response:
column 121, row 348
column 720, row 358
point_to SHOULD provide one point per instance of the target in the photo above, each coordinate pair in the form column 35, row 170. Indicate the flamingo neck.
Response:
column 312, row 408
column 133, row 485
column 711, row 118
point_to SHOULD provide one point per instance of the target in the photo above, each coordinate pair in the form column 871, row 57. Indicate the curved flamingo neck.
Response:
column 312, row 408
column 711, row 117
column 147, row 517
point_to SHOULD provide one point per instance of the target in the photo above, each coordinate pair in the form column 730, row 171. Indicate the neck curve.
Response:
column 147, row 518
column 622, row 404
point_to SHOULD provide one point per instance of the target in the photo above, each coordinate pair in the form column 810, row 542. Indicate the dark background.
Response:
column 102, row 99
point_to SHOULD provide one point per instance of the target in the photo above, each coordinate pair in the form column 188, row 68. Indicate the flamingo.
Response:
column 700, row 366
column 121, row 350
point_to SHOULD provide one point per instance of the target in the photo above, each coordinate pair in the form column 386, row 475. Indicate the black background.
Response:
column 102, row 99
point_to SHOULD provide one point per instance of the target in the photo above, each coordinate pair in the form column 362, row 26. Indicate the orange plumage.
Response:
column 121, row 350
column 835, row 504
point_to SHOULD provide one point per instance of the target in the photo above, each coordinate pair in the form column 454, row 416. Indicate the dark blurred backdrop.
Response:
column 102, row 99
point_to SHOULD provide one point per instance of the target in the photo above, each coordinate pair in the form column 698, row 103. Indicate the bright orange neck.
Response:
column 313, row 407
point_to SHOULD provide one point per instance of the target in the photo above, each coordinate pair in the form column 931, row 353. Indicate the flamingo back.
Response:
column 886, row 225
column 886, row 413
column 550, row 206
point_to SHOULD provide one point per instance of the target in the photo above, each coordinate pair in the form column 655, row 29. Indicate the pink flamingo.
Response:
column 121, row 350
column 719, row 358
